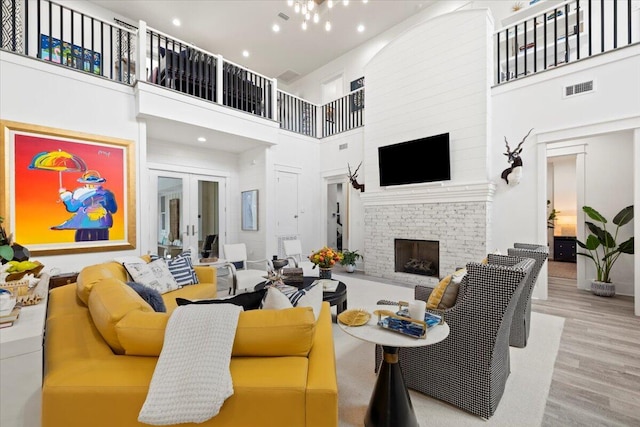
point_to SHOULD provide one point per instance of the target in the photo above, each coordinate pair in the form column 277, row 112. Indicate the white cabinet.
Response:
column 21, row 366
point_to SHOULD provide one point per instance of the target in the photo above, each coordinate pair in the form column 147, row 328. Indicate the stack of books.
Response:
column 8, row 319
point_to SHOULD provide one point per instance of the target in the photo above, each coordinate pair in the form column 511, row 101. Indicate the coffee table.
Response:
column 337, row 298
column 390, row 404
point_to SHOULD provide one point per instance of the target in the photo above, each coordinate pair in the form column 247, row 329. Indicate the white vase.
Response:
column 350, row 268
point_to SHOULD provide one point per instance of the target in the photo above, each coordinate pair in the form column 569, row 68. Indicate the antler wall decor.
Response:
column 353, row 176
column 513, row 174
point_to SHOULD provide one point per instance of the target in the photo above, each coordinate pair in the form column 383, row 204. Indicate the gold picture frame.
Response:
column 67, row 192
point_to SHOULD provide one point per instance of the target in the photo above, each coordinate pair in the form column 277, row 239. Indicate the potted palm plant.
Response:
column 602, row 248
column 349, row 259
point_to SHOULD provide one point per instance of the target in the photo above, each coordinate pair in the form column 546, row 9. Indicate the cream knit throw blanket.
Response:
column 192, row 378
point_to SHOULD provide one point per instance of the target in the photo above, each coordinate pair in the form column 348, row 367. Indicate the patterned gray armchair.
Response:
column 469, row 369
column 522, row 317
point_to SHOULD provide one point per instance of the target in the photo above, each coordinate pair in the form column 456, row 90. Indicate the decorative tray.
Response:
column 400, row 324
column 24, row 293
column 354, row 317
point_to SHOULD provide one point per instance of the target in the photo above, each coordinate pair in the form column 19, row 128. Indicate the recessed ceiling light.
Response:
column 360, row 28
column 345, row 2
column 245, row 53
column 202, row 139
column 365, row 1
column 327, row 26
column 276, row 28
column 176, row 22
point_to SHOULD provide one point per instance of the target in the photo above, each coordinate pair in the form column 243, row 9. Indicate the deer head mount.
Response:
column 513, row 174
column 353, row 176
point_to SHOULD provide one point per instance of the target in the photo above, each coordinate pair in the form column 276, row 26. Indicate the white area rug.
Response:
column 525, row 395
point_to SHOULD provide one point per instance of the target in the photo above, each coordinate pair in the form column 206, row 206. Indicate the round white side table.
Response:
column 390, row 404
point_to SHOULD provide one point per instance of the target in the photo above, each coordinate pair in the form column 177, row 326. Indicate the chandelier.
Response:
column 309, row 10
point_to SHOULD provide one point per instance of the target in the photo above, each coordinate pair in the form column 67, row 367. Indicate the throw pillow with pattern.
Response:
column 181, row 268
column 155, row 275
column 279, row 297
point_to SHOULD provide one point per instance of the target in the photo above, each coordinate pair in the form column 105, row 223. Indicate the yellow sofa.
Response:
column 102, row 342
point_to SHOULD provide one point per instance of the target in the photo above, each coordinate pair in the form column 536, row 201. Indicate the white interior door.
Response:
column 189, row 208
column 287, row 203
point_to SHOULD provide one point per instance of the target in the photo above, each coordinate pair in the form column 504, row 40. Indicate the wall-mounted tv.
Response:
column 421, row 160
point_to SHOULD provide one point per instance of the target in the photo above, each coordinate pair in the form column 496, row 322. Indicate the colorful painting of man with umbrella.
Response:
column 92, row 204
column 67, row 191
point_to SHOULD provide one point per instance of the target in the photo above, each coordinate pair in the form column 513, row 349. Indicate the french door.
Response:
column 190, row 211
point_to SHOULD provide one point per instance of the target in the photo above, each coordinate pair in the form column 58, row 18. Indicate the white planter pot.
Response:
column 603, row 289
column 350, row 268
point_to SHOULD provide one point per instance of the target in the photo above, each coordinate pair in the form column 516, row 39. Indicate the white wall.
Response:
column 252, row 176
column 300, row 155
column 609, row 174
column 334, row 165
column 443, row 89
column 41, row 94
column 537, row 102
column 351, row 65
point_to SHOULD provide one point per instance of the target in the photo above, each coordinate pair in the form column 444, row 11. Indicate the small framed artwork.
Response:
column 250, row 210
column 357, row 84
column 67, row 192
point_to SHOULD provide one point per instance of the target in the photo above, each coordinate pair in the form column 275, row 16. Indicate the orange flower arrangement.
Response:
column 325, row 257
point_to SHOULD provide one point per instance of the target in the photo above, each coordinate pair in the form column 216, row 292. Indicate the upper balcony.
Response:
column 550, row 34
column 162, row 67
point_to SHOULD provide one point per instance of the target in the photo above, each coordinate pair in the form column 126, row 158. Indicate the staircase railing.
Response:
column 561, row 34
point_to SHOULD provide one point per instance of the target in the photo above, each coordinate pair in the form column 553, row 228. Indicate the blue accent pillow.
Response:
column 150, row 295
column 181, row 268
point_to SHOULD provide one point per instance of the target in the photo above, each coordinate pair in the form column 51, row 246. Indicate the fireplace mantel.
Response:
column 430, row 193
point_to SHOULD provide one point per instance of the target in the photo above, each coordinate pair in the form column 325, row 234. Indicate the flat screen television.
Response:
column 421, row 160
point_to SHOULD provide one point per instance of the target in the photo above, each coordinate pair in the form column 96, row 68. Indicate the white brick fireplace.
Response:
column 457, row 216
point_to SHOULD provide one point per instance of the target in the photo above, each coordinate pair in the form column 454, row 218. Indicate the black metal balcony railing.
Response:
column 61, row 35
column 343, row 114
column 297, row 115
column 561, row 34
column 182, row 67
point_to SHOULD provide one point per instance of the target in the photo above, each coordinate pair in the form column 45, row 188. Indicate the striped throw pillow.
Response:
column 181, row 268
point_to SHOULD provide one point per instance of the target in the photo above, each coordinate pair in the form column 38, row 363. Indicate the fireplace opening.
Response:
column 417, row 257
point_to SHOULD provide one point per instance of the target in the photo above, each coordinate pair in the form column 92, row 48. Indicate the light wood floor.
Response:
column 596, row 379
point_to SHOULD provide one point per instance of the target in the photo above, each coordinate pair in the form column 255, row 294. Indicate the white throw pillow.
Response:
column 155, row 275
column 458, row 276
column 308, row 297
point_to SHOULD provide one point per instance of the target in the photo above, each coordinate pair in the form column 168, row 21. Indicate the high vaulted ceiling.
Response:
column 229, row 27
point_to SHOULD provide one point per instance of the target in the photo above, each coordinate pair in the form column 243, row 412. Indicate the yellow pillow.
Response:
column 444, row 294
column 438, row 293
